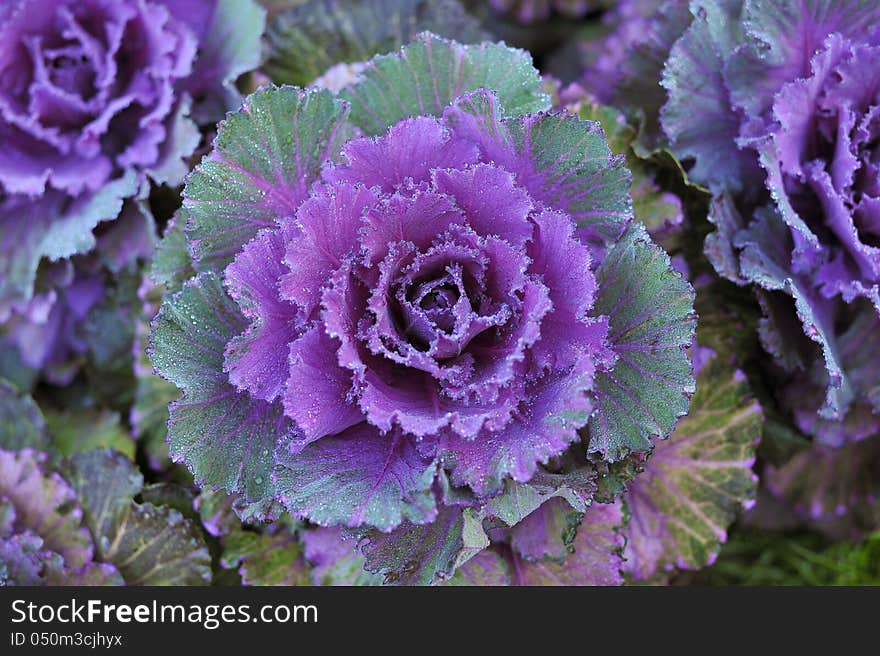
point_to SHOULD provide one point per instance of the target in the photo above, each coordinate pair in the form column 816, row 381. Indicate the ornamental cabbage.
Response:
column 97, row 96
column 413, row 298
column 779, row 121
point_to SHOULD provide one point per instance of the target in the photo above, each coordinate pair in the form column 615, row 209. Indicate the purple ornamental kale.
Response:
column 779, row 121
column 89, row 90
column 413, row 323
column 823, row 164
column 96, row 95
column 432, row 305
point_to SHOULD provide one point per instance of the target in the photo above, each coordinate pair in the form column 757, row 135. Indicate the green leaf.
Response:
column 75, row 431
column 225, row 437
column 265, row 559
column 147, row 544
column 231, row 46
column 579, row 173
column 358, row 477
column 305, row 41
column 425, row 554
column 21, row 422
column 521, row 499
column 172, row 264
column 429, row 73
column 650, row 309
column 265, row 158
column 54, row 227
column 698, row 480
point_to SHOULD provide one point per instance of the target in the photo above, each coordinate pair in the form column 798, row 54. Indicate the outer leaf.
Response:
column 521, row 499
column 265, row 158
column 53, row 226
column 172, row 264
column 765, row 260
column 306, row 40
column 45, row 505
column 487, row 568
column 697, row 480
column 157, row 546
column 423, row 555
column 229, row 47
column 698, row 117
column 265, row 559
column 659, row 210
column 84, row 430
column 650, row 308
column 595, row 558
column 225, row 437
column 429, row 73
column 823, row 483
column 335, row 560
column 358, row 477
column 21, row 422
column 573, row 169
column 149, row 545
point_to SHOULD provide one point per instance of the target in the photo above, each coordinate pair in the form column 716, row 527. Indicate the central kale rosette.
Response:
column 414, row 296
column 424, row 296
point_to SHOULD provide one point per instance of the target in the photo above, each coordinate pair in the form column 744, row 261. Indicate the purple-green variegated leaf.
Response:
column 265, row 157
column 594, row 557
column 698, row 117
column 357, row 477
column 427, row 554
column 823, row 483
column 334, row 559
column 429, row 73
column 21, row 423
column 149, row 545
column 696, row 481
column 43, row 504
column 650, row 308
column 53, row 226
column 661, row 211
column 765, row 257
column 782, row 37
column 224, row 436
column 308, row 39
column 543, row 514
column 266, row 558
